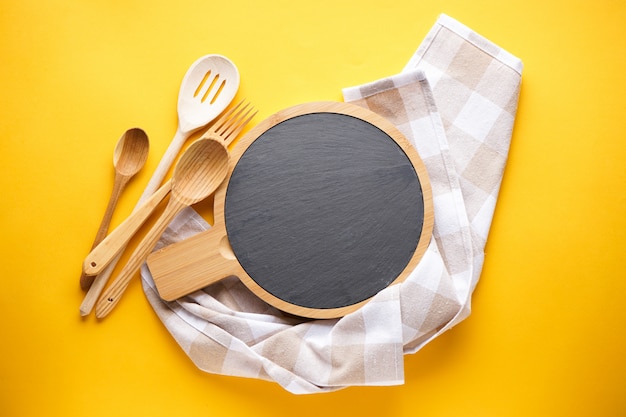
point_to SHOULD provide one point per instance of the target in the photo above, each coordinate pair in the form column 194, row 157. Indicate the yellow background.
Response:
column 547, row 336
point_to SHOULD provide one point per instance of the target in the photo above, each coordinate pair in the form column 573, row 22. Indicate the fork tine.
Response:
column 231, row 123
column 223, row 119
column 232, row 119
column 235, row 132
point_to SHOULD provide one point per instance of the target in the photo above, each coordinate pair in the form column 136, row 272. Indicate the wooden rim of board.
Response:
column 208, row 257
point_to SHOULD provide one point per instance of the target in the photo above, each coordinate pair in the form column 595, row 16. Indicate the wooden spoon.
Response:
column 208, row 87
column 201, row 169
column 130, row 155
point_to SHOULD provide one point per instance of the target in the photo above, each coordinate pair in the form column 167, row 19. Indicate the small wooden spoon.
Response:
column 130, row 155
column 201, row 169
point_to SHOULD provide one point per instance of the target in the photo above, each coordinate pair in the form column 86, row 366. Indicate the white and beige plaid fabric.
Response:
column 456, row 102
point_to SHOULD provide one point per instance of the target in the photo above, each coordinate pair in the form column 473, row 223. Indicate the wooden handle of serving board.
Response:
column 184, row 267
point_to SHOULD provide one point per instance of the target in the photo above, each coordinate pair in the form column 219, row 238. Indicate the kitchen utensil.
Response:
column 208, row 87
column 129, row 156
column 325, row 204
column 201, row 169
column 103, row 253
column 225, row 129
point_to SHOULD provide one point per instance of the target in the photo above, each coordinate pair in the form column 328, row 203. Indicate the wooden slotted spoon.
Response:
column 208, row 87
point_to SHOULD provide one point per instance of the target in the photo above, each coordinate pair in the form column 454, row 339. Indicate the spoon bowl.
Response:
column 131, row 152
column 208, row 87
column 201, row 172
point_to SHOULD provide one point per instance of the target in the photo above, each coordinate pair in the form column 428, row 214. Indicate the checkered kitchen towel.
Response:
column 456, row 102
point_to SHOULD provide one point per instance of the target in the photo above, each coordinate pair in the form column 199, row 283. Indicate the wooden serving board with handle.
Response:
column 324, row 205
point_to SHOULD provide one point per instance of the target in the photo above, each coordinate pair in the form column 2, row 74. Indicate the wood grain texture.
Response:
column 130, row 155
column 325, row 205
column 202, row 167
column 103, row 253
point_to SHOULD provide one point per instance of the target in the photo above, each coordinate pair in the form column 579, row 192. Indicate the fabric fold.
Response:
column 455, row 101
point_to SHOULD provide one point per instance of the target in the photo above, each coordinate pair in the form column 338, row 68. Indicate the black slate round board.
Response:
column 325, row 205
column 339, row 196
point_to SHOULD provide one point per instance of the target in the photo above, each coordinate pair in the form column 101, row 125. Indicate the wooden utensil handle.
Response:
column 106, row 250
column 118, row 186
column 96, row 288
column 201, row 260
column 113, row 293
column 165, row 164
